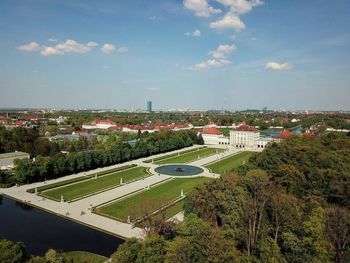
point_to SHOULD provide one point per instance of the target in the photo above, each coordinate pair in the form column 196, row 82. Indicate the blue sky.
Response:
column 214, row 54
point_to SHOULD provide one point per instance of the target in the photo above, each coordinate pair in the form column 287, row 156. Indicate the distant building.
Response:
column 149, row 106
column 99, row 124
column 244, row 136
column 284, row 135
column 212, row 136
column 7, row 160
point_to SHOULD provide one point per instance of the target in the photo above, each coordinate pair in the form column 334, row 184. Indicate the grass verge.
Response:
column 191, row 156
column 149, row 201
column 229, row 163
column 86, row 187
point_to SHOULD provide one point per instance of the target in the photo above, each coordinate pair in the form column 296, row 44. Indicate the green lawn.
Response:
column 83, row 257
column 150, row 200
column 168, row 213
column 229, row 163
column 190, row 157
column 93, row 185
column 173, row 154
column 80, row 178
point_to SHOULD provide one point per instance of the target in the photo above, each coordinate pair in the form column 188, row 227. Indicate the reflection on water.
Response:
column 23, row 206
column 40, row 231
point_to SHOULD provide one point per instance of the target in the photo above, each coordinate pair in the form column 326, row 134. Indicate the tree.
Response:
column 179, row 250
column 338, row 230
column 52, row 256
column 269, row 251
column 284, row 212
column 316, row 246
column 153, row 250
column 259, row 188
column 127, row 252
column 12, row 252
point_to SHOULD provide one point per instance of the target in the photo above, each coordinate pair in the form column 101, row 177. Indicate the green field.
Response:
column 229, row 163
column 173, row 154
column 150, row 200
column 80, row 178
column 168, row 213
column 93, row 185
column 190, row 157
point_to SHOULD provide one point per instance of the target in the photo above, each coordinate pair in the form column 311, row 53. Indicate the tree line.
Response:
column 41, row 168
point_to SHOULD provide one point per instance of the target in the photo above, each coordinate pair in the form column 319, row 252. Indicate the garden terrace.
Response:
column 149, row 201
column 94, row 185
column 229, row 163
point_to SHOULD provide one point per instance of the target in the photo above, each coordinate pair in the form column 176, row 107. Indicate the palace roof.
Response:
column 212, row 130
column 285, row 134
column 245, row 127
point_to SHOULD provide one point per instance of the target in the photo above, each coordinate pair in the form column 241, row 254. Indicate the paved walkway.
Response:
column 80, row 210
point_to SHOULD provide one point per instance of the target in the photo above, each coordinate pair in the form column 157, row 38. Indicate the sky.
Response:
column 197, row 54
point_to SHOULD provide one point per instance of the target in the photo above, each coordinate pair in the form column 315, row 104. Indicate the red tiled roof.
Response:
column 28, row 117
column 212, row 130
column 307, row 134
column 245, row 127
column 285, row 134
column 4, row 117
column 103, row 122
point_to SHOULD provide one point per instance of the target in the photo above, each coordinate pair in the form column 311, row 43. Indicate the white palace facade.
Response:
column 243, row 136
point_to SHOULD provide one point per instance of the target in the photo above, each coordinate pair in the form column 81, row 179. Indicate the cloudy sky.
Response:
column 200, row 54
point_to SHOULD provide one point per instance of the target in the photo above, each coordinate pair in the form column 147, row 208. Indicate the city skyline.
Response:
column 219, row 54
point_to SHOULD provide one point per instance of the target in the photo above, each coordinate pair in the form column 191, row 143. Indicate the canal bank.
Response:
column 41, row 231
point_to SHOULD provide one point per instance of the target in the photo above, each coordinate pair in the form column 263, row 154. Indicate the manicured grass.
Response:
column 229, row 163
column 190, row 157
column 150, row 200
column 58, row 184
column 173, row 154
column 80, row 178
column 168, row 213
column 83, row 257
column 93, row 185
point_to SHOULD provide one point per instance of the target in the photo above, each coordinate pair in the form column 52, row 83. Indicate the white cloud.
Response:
column 196, row 33
column 52, row 40
column 227, row 49
column 152, row 18
column 219, row 58
column 229, row 21
column 278, row 66
column 108, row 48
column 51, row 51
column 240, row 6
column 217, row 55
column 222, row 51
column 200, row 8
column 211, row 63
column 31, row 47
column 71, row 46
column 92, row 44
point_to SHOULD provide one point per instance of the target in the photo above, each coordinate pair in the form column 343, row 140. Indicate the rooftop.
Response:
column 212, row 130
column 245, row 127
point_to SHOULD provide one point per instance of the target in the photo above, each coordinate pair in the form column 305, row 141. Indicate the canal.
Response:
column 40, row 231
